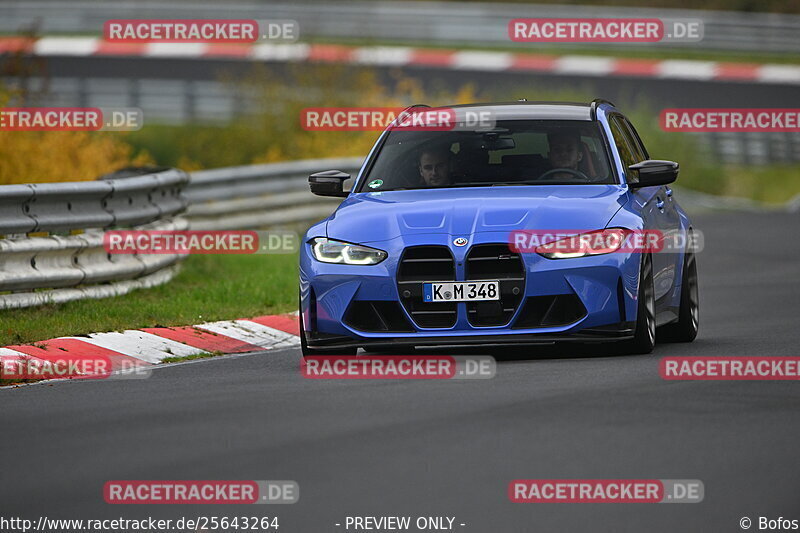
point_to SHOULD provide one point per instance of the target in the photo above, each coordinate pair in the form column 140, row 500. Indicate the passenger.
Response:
column 565, row 151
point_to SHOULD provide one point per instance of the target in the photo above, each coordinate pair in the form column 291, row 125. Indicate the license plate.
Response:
column 461, row 291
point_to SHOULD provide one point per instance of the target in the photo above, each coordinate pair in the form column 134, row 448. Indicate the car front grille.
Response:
column 418, row 265
column 495, row 262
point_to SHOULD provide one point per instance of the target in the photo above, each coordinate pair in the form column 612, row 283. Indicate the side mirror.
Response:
column 654, row 172
column 328, row 183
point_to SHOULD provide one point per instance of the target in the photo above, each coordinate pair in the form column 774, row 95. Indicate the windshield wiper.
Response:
column 537, row 182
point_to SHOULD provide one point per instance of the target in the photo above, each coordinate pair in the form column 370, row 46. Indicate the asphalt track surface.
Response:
column 625, row 91
column 448, row 448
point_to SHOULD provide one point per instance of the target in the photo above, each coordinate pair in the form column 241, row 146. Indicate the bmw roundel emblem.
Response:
column 461, row 241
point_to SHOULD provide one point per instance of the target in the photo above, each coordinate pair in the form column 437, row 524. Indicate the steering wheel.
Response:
column 573, row 171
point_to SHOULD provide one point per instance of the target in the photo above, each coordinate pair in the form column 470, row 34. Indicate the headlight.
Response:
column 592, row 243
column 330, row 251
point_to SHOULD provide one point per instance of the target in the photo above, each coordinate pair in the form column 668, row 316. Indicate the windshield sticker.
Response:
column 374, row 184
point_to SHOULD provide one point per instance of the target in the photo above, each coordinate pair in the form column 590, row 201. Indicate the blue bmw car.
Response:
column 422, row 252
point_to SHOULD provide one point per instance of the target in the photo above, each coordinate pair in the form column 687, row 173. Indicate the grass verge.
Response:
column 774, row 184
column 209, row 288
column 204, row 355
column 11, row 382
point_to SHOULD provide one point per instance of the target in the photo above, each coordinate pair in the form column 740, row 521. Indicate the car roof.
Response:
column 532, row 110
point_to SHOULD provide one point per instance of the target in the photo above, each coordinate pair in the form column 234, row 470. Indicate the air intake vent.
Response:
column 418, row 265
column 550, row 311
column 496, row 262
column 377, row 316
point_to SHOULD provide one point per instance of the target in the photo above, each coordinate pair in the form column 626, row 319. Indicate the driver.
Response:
column 564, row 151
column 434, row 167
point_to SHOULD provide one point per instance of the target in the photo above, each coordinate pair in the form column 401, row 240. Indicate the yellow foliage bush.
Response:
column 330, row 86
column 38, row 157
column 50, row 156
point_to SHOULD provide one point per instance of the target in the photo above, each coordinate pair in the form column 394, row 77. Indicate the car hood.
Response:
column 380, row 216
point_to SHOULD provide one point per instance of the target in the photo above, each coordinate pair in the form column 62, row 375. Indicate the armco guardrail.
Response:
column 51, row 248
column 260, row 195
column 51, row 234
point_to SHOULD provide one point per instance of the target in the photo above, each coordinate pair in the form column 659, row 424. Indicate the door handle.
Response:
column 659, row 203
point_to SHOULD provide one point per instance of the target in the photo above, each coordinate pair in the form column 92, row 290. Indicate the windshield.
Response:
column 514, row 152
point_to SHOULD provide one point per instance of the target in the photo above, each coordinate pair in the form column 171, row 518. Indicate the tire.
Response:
column 685, row 329
column 306, row 351
column 644, row 338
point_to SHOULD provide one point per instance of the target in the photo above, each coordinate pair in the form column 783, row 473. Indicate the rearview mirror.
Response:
column 654, row 172
column 328, row 183
column 492, row 140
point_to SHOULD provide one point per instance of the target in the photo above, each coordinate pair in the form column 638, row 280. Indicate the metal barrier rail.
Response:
column 51, row 236
column 257, row 196
column 43, row 259
column 63, row 207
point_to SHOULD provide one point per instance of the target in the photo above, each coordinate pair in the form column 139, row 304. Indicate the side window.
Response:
column 624, row 144
column 637, row 144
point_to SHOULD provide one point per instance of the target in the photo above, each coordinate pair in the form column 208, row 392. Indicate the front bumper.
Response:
column 604, row 287
column 614, row 333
